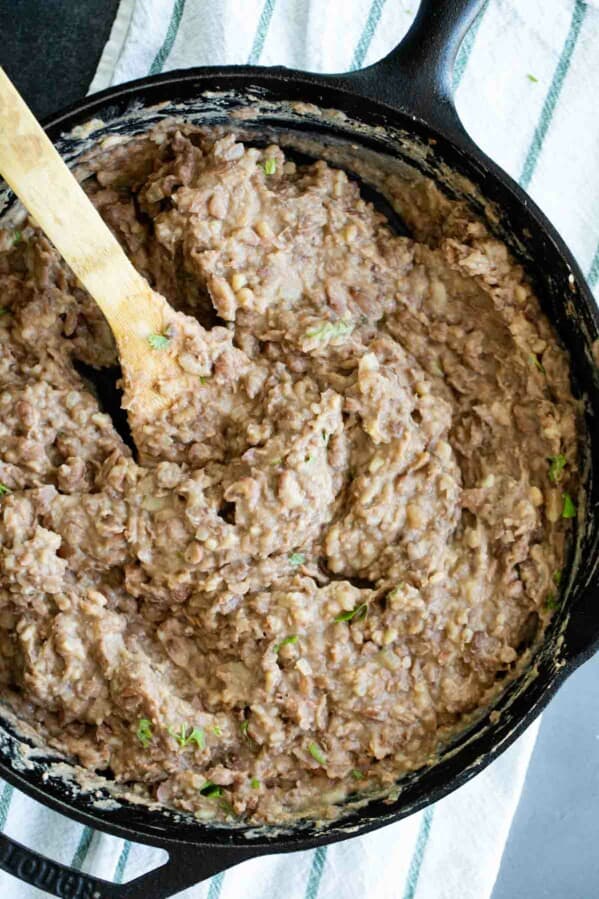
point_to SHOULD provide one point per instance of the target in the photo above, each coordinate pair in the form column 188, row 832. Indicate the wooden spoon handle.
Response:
column 49, row 191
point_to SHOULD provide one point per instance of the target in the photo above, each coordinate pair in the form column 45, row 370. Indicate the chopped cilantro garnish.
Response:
column 243, row 727
column 317, row 753
column 357, row 775
column 196, row 735
column 568, row 508
column 557, row 577
column 4, row 489
column 159, row 341
column 325, row 436
column 17, row 237
column 551, row 601
column 297, row 558
column 358, row 613
column 330, row 330
column 211, row 790
column 270, row 166
column 216, row 730
column 556, row 467
column 537, row 363
column 255, row 783
column 293, row 638
column 144, row 732
column 203, row 379
column 532, row 78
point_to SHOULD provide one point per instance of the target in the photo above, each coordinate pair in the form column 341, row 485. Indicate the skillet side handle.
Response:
column 186, row 866
column 417, row 76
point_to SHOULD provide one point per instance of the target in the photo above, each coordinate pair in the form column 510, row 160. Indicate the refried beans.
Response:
column 335, row 545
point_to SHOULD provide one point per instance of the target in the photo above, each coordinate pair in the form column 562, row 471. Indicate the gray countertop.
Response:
column 51, row 49
column 552, row 851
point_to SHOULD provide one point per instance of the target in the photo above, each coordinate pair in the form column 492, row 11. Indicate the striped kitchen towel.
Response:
column 527, row 78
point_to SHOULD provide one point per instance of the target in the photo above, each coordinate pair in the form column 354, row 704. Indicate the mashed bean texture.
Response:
column 335, row 543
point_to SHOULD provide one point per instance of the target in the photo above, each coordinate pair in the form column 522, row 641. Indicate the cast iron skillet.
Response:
column 409, row 94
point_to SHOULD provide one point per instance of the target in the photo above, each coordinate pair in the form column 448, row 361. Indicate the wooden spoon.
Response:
column 49, row 191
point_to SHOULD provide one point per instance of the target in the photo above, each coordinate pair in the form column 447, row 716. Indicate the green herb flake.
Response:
column 325, row 436
column 3, row 311
column 317, row 753
column 270, row 166
column 216, row 730
column 179, row 735
column 197, row 736
column 4, row 489
column 17, row 237
column 357, row 775
column 255, row 783
column 144, row 732
column 293, row 638
column 183, row 738
column 557, row 577
column 297, row 558
column 568, row 508
column 551, row 601
column 532, row 78
column 537, row 363
column 275, row 462
column 243, row 727
column 211, row 790
column 330, row 330
column 358, row 613
column 203, row 379
column 556, row 467
column 159, row 341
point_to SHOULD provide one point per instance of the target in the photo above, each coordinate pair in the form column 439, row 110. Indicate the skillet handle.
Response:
column 417, row 76
column 185, row 867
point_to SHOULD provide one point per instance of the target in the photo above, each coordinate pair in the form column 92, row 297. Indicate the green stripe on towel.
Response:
column 5, row 803
column 365, row 40
column 593, row 275
column 82, row 849
column 169, row 40
column 418, row 854
column 122, row 862
column 466, row 47
column 315, row 876
column 261, row 32
column 553, row 94
column 216, row 885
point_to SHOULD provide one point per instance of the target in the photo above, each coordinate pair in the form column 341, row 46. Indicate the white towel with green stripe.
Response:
column 526, row 79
